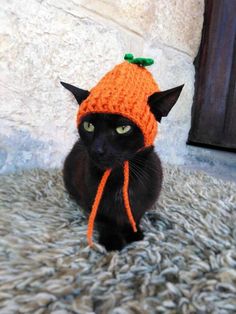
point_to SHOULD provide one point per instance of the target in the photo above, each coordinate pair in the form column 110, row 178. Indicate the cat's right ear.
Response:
column 162, row 102
column 80, row 94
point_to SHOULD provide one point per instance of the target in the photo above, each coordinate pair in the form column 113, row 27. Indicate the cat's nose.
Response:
column 99, row 151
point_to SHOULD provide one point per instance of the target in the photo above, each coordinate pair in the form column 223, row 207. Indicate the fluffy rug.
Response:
column 185, row 264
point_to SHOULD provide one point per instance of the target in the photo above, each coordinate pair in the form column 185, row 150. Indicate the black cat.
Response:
column 106, row 141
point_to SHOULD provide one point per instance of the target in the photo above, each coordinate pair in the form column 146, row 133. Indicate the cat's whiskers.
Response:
column 139, row 160
column 136, row 174
column 134, row 169
column 142, row 175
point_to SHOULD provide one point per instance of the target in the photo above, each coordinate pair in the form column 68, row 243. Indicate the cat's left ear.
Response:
column 80, row 94
column 162, row 102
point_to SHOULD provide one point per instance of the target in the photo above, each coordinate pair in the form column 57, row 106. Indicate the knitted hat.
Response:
column 125, row 90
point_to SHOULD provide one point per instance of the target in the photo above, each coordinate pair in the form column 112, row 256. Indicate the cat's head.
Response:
column 113, row 138
column 110, row 139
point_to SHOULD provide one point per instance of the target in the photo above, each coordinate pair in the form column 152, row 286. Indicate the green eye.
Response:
column 89, row 127
column 123, row 129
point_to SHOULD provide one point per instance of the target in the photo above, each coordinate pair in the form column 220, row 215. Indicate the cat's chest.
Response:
column 113, row 190
column 113, row 187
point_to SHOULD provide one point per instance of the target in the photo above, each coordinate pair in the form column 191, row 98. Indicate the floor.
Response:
column 220, row 164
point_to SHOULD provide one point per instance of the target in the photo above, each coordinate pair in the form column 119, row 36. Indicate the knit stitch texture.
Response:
column 124, row 90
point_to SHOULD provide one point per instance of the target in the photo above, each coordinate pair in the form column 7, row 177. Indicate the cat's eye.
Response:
column 89, row 127
column 123, row 129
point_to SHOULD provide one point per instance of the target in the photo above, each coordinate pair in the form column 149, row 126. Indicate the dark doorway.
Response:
column 214, row 106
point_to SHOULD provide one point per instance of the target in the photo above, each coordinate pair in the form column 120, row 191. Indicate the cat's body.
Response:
column 105, row 148
column 82, row 176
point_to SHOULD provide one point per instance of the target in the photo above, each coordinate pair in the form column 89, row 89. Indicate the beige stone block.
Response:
column 94, row 12
column 136, row 16
column 178, row 24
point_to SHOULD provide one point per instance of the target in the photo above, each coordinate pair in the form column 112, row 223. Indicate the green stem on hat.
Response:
column 139, row 61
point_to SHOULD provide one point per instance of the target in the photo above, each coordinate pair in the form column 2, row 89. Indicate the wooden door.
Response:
column 214, row 106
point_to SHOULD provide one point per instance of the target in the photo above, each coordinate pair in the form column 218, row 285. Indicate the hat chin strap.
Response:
column 98, row 197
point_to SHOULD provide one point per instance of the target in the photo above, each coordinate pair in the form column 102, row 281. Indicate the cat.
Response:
column 106, row 141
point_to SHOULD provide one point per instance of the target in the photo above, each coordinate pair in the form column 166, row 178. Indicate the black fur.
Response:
column 105, row 148
column 83, row 172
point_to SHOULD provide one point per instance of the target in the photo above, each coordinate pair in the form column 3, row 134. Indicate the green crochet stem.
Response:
column 140, row 61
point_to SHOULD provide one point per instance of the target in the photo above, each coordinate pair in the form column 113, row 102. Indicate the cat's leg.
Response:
column 110, row 237
column 131, row 236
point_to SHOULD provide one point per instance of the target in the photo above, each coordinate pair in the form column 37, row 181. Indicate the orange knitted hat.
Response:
column 124, row 91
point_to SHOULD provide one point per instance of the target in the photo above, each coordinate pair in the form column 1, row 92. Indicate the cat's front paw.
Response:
column 113, row 242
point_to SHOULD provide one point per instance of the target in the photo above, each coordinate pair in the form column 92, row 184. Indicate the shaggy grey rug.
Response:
column 185, row 264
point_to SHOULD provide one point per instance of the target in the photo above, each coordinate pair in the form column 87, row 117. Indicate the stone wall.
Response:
column 77, row 41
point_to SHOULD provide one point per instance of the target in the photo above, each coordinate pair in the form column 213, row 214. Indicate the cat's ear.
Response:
column 162, row 102
column 80, row 94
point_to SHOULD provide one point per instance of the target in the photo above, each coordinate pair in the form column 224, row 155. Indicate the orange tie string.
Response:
column 126, row 196
column 99, row 196
column 95, row 206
